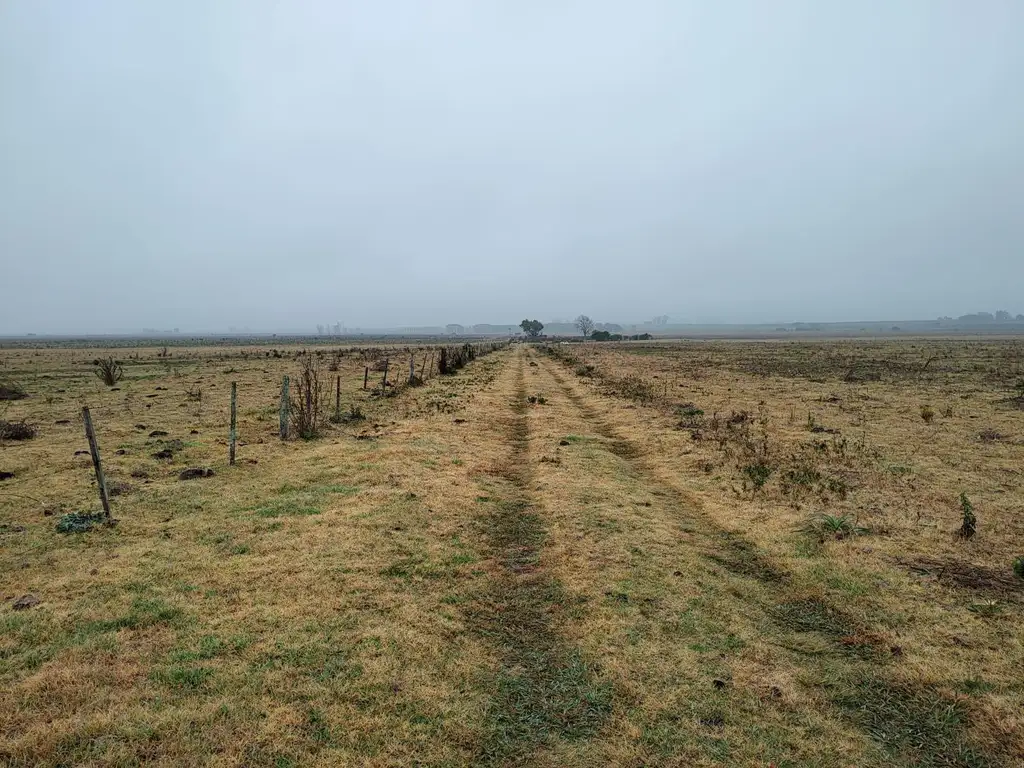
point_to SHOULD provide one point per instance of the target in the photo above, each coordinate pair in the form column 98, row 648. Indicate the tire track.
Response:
column 544, row 689
column 726, row 548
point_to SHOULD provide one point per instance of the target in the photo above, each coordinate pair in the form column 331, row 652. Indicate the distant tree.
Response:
column 584, row 324
column 532, row 328
column 319, row 330
column 977, row 317
column 1020, row 318
column 1003, row 316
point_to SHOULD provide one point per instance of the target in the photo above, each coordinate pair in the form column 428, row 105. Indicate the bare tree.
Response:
column 585, row 324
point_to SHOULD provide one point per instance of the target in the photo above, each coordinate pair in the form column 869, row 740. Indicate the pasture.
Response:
column 771, row 553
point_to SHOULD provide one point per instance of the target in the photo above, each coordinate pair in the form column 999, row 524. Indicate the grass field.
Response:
column 685, row 554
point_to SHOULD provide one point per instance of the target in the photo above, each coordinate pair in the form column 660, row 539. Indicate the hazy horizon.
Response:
column 278, row 166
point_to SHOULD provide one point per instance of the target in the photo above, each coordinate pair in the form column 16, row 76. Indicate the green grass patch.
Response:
column 911, row 725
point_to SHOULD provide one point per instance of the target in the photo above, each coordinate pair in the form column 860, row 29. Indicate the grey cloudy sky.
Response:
column 281, row 164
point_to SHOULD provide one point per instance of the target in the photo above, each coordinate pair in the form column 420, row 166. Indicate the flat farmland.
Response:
column 673, row 553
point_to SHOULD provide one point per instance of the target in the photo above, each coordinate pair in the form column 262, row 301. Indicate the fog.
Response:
column 277, row 165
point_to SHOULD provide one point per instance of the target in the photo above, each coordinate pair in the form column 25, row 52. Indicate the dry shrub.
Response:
column 16, row 430
column 309, row 403
column 109, row 371
column 11, row 391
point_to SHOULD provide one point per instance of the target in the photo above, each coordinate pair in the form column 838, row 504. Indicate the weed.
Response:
column 969, row 521
column 758, row 474
column 990, row 435
column 1018, row 566
column 583, row 370
column 927, row 414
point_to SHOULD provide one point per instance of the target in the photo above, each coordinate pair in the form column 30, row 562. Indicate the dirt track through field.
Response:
column 726, row 548
column 544, row 690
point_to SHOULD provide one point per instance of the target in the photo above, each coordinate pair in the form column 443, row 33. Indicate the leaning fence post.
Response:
column 233, row 434
column 94, row 449
column 284, row 409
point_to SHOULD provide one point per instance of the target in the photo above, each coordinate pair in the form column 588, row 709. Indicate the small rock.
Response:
column 120, row 451
column 195, row 472
column 194, row 432
column 25, row 601
column 166, row 453
column 563, row 442
column 80, row 453
column 460, row 421
column 140, row 426
column 6, row 475
column 158, row 433
column 62, row 421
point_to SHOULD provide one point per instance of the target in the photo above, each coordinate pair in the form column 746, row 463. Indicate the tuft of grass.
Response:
column 927, row 414
column 824, row 526
column 1018, row 566
column 813, row 615
column 80, row 522
column 183, row 677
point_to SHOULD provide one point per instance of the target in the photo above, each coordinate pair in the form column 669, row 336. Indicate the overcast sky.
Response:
column 274, row 165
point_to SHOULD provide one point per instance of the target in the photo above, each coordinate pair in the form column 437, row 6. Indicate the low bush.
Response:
column 9, row 390
column 109, row 371
column 16, row 430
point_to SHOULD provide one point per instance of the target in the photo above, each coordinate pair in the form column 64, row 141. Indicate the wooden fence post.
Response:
column 233, row 434
column 366, row 376
column 337, row 398
column 384, row 381
column 94, row 449
column 412, row 368
column 284, row 409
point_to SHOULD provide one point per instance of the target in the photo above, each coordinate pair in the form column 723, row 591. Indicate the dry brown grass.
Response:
column 469, row 577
